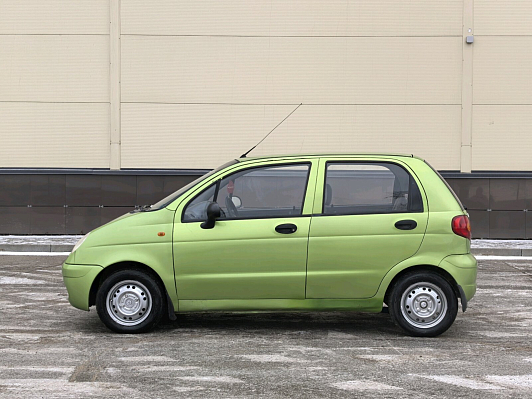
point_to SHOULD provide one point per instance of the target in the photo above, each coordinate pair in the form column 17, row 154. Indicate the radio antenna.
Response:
column 264, row 138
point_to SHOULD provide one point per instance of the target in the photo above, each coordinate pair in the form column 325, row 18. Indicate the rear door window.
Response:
column 353, row 188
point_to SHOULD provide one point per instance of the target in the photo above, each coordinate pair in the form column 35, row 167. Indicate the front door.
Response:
column 368, row 217
column 258, row 247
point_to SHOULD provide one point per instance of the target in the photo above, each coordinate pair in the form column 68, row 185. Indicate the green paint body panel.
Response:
column 240, row 259
column 332, row 262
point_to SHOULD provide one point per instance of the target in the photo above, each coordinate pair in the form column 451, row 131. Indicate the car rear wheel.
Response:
column 423, row 304
column 130, row 301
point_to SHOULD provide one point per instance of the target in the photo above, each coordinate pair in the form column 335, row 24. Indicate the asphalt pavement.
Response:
column 49, row 349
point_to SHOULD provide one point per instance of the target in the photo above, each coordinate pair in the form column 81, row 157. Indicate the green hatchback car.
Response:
column 289, row 233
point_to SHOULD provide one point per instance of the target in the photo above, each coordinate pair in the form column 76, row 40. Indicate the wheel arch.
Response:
column 423, row 268
column 125, row 265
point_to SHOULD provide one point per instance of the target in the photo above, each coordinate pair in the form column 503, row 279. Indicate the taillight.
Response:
column 461, row 226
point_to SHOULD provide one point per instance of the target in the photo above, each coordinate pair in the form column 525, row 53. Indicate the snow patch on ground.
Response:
column 158, row 369
column 461, row 382
column 34, row 387
column 228, row 380
column 187, row 389
column 363, row 385
column 272, row 359
column 147, row 359
column 511, row 381
column 499, row 334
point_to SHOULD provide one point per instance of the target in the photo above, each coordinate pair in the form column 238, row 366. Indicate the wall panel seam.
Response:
column 114, row 84
column 289, row 36
column 54, row 34
column 52, row 102
column 306, row 104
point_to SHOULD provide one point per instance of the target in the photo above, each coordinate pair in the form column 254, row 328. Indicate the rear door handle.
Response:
column 287, row 228
column 406, row 224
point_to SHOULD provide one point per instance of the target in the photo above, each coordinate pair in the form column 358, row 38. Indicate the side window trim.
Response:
column 216, row 190
column 357, row 162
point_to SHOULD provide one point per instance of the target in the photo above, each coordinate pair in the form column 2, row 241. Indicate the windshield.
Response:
column 172, row 197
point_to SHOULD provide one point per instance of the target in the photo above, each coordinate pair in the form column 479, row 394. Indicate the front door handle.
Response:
column 406, row 224
column 287, row 228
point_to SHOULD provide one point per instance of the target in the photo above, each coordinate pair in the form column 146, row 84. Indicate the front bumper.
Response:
column 78, row 281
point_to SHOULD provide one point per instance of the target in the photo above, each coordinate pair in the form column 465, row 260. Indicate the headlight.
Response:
column 78, row 244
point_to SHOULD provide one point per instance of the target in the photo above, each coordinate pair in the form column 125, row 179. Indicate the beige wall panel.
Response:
column 54, row 16
column 291, row 70
column 502, row 70
column 293, row 17
column 502, row 138
column 54, row 68
column 54, row 135
column 503, row 17
column 204, row 136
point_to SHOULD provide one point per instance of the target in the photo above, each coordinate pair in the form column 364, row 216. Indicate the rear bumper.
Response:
column 78, row 281
column 463, row 268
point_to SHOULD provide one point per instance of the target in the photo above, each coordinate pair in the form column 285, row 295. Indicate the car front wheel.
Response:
column 130, row 301
column 423, row 304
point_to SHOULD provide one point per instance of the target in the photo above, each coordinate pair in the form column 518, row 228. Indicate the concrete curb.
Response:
column 36, row 247
column 68, row 248
column 502, row 251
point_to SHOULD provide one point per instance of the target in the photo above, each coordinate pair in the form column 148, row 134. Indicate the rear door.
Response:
column 368, row 216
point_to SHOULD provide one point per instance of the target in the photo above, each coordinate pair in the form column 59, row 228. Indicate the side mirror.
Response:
column 213, row 213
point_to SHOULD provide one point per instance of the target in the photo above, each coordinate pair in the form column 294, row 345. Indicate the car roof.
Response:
column 326, row 155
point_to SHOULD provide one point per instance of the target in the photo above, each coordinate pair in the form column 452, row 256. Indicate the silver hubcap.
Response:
column 129, row 303
column 423, row 305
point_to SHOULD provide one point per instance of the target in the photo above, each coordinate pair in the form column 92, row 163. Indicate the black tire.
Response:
column 130, row 302
column 423, row 304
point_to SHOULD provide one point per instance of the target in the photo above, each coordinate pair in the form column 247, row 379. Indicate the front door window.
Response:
column 256, row 193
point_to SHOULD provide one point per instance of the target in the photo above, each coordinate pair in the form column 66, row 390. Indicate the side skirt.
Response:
column 373, row 305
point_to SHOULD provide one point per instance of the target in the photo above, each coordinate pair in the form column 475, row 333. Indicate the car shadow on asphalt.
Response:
column 265, row 323
column 268, row 323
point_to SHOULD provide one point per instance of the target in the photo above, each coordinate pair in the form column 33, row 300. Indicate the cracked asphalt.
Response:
column 49, row 349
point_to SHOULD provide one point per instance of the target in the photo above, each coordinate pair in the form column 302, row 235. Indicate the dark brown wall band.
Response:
column 77, row 201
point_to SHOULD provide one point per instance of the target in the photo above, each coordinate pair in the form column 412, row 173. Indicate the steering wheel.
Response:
column 231, row 208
